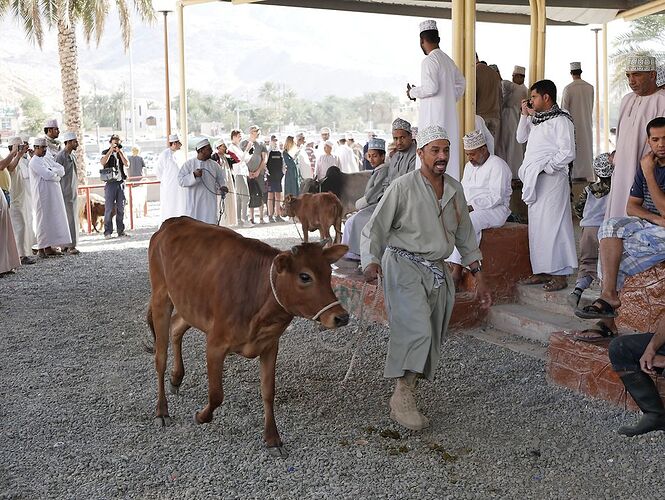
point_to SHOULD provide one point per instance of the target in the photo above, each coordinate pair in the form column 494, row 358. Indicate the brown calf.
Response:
column 316, row 211
column 242, row 293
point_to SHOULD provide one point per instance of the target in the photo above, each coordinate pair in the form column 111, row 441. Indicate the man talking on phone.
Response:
column 114, row 191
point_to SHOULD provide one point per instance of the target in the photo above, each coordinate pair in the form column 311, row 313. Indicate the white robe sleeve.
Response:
column 46, row 172
column 186, row 176
column 429, row 79
column 161, row 164
column 523, row 129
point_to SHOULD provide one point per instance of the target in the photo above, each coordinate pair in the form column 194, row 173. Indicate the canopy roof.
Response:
column 559, row 12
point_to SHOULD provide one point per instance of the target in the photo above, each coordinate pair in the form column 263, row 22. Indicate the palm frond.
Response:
column 125, row 22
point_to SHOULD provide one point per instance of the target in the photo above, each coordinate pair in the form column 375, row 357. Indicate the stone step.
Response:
column 509, row 341
column 533, row 322
column 555, row 302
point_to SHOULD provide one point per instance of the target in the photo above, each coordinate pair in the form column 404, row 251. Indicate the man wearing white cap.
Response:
column 507, row 146
column 356, row 148
column 21, row 201
column 441, row 86
column 51, row 133
column 319, row 150
column 577, row 99
column 638, row 108
column 9, row 256
column 50, row 213
column 544, row 173
column 326, row 160
column 418, row 221
column 202, row 179
column 69, row 185
column 171, row 195
column 302, row 158
column 486, row 184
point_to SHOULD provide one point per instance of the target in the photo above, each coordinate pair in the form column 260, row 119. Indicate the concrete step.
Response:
column 509, row 341
column 533, row 322
column 555, row 302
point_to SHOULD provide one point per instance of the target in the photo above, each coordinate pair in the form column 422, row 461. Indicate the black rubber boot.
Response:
column 644, row 392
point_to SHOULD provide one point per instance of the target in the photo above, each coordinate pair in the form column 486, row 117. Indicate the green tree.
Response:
column 645, row 36
column 65, row 16
column 34, row 116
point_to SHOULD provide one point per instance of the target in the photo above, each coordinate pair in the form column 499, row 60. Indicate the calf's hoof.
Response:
column 162, row 421
column 174, row 389
column 277, row 451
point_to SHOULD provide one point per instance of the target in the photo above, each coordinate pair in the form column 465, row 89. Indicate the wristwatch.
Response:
column 476, row 270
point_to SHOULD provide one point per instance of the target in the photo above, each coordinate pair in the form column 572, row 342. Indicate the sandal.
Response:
column 556, row 284
column 599, row 309
column 535, row 279
column 599, row 333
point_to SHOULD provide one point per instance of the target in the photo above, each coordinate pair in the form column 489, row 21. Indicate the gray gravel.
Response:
column 78, row 395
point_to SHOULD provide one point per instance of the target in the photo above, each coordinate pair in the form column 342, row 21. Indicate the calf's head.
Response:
column 302, row 283
column 288, row 208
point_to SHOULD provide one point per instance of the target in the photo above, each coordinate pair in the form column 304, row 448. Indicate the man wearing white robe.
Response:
column 487, row 190
column 171, row 195
column 51, row 216
column 21, row 208
column 326, row 160
column 346, row 157
column 302, row 158
column 546, row 191
column 441, row 86
column 9, row 257
column 69, row 186
column 507, row 146
column 638, row 108
column 202, row 179
column 577, row 99
column 419, row 219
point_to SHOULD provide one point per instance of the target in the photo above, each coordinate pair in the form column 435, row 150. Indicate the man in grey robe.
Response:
column 577, row 99
column 507, row 146
column 420, row 219
column 69, row 186
column 402, row 162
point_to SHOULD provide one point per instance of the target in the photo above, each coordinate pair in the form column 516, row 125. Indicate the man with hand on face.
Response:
column 544, row 173
column 203, row 179
column 114, row 190
column 419, row 220
column 486, row 184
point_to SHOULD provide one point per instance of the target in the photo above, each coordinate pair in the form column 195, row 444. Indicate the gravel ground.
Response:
column 78, row 395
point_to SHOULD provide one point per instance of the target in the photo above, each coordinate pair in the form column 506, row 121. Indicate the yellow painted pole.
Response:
column 457, row 17
column 542, row 22
column 533, row 45
column 469, row 67
column 597, row 92
column 606, row 91
column 183, row 87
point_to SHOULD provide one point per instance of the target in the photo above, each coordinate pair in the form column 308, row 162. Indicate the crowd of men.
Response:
column 418, row 227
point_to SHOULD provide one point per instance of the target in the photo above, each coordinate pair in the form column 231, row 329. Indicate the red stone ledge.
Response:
column 585, row 368
column 643, row 300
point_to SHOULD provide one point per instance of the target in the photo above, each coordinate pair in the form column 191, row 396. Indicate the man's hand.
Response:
column 483, row 293
column 648, row 163
column 372, row 271
column 198, row 172
column 470, row 208
column 648, row 361
column 526, row 110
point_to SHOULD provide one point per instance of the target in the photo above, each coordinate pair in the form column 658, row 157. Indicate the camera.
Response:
column 529, row 104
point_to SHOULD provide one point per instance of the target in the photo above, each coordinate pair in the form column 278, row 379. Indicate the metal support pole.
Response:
column 131, row 206
column 167, row 90
column 183, row 87
column 88, row 209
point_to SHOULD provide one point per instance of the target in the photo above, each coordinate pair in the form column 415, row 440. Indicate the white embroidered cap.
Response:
column 39, row 141
column 329, row 143
column 575, row 66
column 68, row 136
column 428, row 25
column 637, row 63
column 202, row 144
column 376, row 143
column 519, row 70
column 349, row 136
column 174, row 138
column 474, row 140
column 660, row 76
column 431, row 133
column 53, row 123
column 325, row 130
column 401, row 124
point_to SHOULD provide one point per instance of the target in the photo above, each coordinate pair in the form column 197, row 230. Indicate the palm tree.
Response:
column 644, row 37
column 65, row 15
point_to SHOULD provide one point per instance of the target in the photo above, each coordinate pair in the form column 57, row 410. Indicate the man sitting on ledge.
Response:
column 630, row 245
column 486, row 184
column 635, row 358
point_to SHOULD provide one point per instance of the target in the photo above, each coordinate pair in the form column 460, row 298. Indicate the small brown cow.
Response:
column 316, row 211
column 242, row 293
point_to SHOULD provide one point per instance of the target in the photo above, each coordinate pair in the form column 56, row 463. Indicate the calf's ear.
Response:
column 334, row 253
column 282, row 262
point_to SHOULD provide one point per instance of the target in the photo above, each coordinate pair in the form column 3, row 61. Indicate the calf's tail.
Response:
column 150, row 346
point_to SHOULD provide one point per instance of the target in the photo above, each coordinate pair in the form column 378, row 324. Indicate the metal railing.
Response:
column 129, row 184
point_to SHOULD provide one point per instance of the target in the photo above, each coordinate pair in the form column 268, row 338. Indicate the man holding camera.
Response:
column 114, row 162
